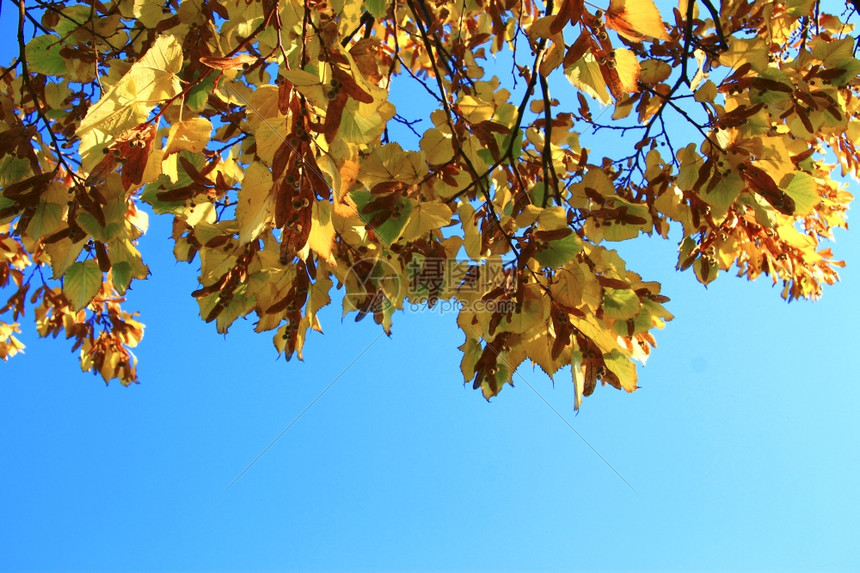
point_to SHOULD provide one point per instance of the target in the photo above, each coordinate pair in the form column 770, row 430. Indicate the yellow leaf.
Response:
column 585, row 75
column 149, row 12
column 9, row 345
column 473, row 238
column 552, row 218
column 533, row 311
column 437, row 147
column 623, row 369
column 424, row 218
column 567, row 288
column 741, row 51
column 391, row 163
column 654, row 71
column 348, row 173
column 628, row 69
column 318, row 297
column 701, row 58
column 538, row 349
column 152, row 169
column 706, row 93
column 636, row 19
column 475, row 110
column 321, row 236
column 256, row 203
column 129, row 102
column 301, row 78
column 63, row 254
column 189, row 135
column 528, row 216
column 594, row 181
column 578, row 379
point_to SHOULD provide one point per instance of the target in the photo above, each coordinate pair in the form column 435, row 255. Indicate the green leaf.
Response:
column 121, row 276
column 82, row 283
column 620, row 304
column 47, row 219
column 471, row 353
column 804, row 190
column 560, row 252
column 377, row 8
column 723, row 195
column 43, row 56
column 12, row 170
column 198, row 96
column 391, row 229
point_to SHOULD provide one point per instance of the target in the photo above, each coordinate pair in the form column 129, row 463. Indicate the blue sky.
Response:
column 742, row 444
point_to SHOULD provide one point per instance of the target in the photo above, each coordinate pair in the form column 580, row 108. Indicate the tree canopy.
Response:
column 264, row 129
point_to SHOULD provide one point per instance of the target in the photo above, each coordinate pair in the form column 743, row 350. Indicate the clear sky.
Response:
column 740, row 449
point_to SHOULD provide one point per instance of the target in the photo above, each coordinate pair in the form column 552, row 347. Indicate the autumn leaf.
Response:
column 636, row 20
column 281, row 142
column 585, row 75
column 424, row 218
column 190, row 135
column 9, row 345
column 129, row 102
column 81, row 283
column 321, row 237
column 255, row 207
column 437, row 147
column 232, row 63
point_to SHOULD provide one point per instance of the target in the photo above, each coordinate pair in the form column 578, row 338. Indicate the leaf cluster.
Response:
column 264, row 129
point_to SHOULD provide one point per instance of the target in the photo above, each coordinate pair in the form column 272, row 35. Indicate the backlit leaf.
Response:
column 189, row 135
column 321, row 237
column 255, row 206
column 804, row 191
column 424, row 218
column 585, row 75
column 82, row 283
column 560, row 252
column 636, row 19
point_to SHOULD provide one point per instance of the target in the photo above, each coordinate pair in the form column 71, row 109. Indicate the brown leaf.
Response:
column 333, row 115
column 102, row 257
column 178, row 194
column 577, row 50
column 349, row 87
column 232, row 63
column 192, row 172
column 28, row 188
